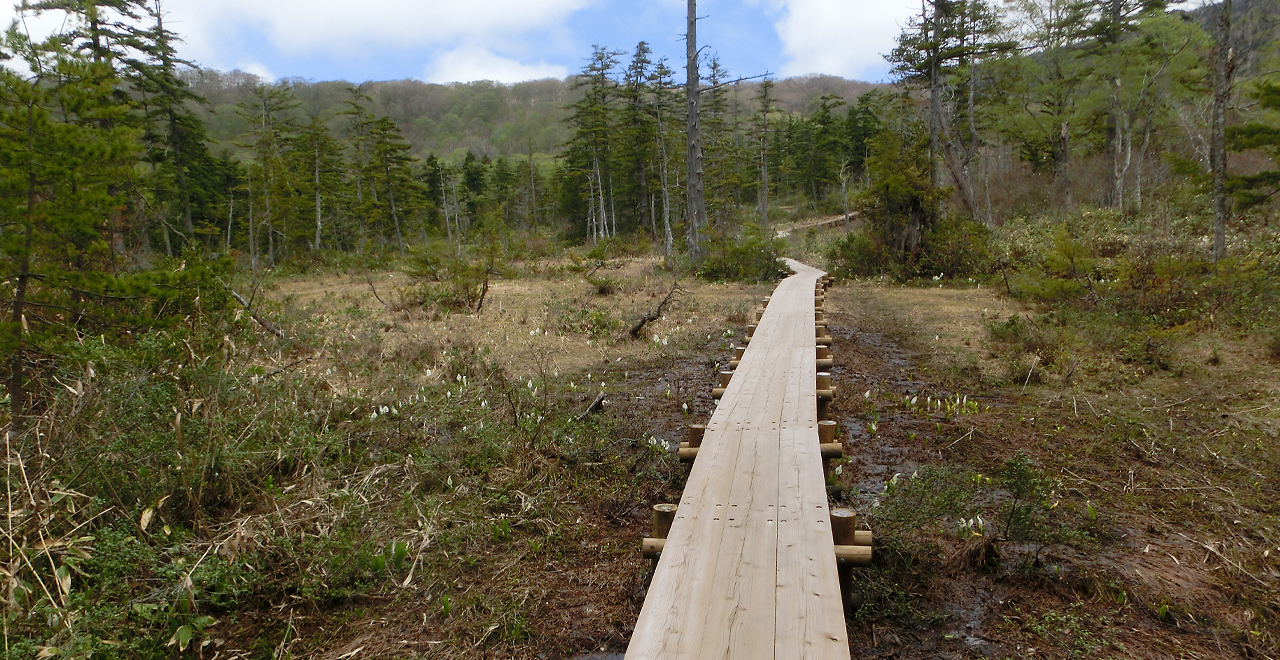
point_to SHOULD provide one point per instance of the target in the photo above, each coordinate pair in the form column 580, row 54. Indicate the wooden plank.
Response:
column 748, row 569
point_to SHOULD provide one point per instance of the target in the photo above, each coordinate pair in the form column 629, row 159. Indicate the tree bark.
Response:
column 395, row 216
column 318, row 222
column 696, row 204
column 1224, row 67
column 935, row 98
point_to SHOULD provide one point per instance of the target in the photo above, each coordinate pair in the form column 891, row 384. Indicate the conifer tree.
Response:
column 590, row 151
column 62, row 140
column 636, row 140
column 663, row 99
column 765, row 102
column 942, row 51
column 390, row 155
column 318, row 165
column 269, row 128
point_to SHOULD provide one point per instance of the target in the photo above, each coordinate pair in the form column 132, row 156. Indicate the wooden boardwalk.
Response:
column 747, row 570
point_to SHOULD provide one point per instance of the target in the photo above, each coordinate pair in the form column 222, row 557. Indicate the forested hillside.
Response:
column 486, row 118
column 285, row 359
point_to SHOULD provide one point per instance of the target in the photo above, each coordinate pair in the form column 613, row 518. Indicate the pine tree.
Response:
column 62, row 140
column 268, row 180
column 663, row 99
column 943, row 51
column 390, row 155
column 636, row 139
column 1254, row 189
column 318, row 166
column 763, row 126
column 590, row 151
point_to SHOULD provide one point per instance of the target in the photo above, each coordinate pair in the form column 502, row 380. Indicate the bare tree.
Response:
column 1223, row 67
column 696, row 203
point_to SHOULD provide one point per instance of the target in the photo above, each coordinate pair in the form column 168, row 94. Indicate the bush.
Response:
column 958, row 248
column 858, row 255
column 453, row 282
column 752, row 257
column 952, row 248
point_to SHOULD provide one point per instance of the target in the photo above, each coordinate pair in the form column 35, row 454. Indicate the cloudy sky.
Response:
column 515, row 40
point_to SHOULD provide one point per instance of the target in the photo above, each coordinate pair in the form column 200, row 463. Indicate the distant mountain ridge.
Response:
column 487, row 118
column 1255, row 32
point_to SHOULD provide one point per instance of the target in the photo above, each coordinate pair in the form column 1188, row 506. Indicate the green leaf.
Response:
column 181, row 637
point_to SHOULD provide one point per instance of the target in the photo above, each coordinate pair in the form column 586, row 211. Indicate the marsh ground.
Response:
column 1128, row 512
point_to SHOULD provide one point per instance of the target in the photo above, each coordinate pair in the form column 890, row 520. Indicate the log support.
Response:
column 853, row 548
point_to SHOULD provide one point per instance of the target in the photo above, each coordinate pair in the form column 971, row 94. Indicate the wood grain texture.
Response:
column 748, row 569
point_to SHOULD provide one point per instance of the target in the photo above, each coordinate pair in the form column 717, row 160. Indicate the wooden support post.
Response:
column 663, row 516
column 820, row 317
column 844, row 522
column 652, row 548
column 696, row 433
column 718, row 392
column 825, row 361
column 827, row 432
column 824, row 409
column 822, row 337
column 826, row 391
column 849, row 553
column 737, row 356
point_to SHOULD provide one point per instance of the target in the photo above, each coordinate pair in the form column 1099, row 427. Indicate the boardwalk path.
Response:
column 748, row 570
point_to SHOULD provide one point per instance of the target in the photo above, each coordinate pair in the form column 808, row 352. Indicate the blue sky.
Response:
column 514, row 40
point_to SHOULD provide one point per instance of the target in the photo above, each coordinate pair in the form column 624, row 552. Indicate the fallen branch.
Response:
column 369, row 278
column 261, row 321
column 595, row 406
column 656, row 313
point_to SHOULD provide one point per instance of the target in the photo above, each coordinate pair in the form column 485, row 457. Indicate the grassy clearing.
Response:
column 386, row 479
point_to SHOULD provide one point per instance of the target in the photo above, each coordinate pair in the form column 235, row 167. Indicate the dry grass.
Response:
column 521, row 323
column 1184, row 557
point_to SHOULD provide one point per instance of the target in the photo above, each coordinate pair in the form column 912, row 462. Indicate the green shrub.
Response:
column 957, row 247
column 931, row 497
column 952, row 248
column 450, row 280
column 592, row 321
column 750, row 257
column 858, row 255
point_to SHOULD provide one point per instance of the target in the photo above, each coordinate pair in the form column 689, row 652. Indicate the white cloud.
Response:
column 471, row 62
column 227, row 34
column 258, row 69
column 308, row 26
column 847, row 38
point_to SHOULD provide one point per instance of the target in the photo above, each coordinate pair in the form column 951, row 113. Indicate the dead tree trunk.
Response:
column 1223, row 68
column 695, row 203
